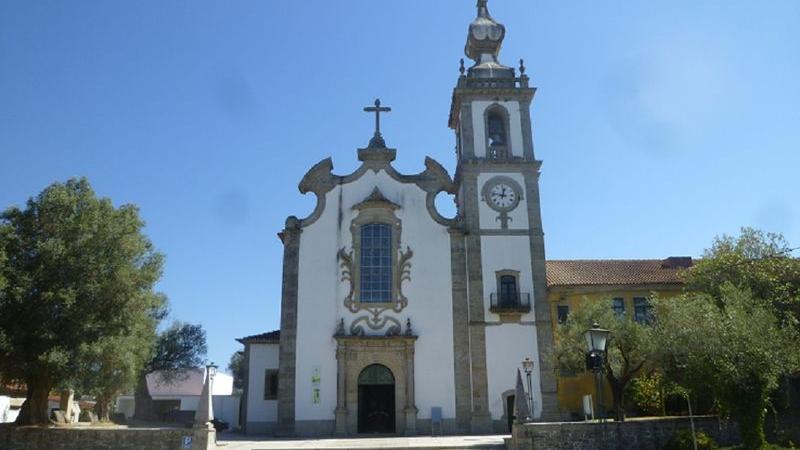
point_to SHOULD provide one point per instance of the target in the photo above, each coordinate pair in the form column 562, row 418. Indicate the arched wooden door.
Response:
column 376, row 400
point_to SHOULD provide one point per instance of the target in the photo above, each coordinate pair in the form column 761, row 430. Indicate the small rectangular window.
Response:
column 271, row 384
column 563, row 313
column 618, row 304
column 641, row 310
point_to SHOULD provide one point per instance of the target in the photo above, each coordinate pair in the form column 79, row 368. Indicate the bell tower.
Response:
column 501, row 228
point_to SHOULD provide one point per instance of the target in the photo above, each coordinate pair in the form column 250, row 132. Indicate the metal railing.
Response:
column 499, row 302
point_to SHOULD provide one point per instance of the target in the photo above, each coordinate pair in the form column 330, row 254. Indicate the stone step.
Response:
column 383, row 443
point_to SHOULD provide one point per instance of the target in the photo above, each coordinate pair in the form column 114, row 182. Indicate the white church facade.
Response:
column 395, row 319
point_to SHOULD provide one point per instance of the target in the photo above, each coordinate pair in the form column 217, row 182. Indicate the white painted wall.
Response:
column 126, row 404
column 226, row 407
column 261, row 358
column 429, row 294
column 479, row 126
column 501, row 253
column 506, row 346
column 488, row 217
column 5, row 408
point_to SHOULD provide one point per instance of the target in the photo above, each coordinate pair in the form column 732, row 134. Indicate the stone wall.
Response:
column 644, row 434
column 105, row 438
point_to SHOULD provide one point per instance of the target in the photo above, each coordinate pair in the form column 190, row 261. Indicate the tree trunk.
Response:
column 35, row 410
column 103, row 409
column 618, row 393
column 143, row 403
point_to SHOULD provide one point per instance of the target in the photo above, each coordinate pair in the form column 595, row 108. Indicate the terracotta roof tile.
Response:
column 270, row 336
column 582, row 272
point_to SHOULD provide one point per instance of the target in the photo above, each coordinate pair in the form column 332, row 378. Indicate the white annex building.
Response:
column 395, row 319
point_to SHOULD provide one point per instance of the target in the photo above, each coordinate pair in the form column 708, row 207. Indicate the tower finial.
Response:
column 484, row 40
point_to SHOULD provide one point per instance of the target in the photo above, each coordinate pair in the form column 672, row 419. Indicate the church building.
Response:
column 395, row 319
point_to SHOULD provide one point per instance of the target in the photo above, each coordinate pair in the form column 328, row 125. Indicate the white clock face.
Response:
column 502, row 196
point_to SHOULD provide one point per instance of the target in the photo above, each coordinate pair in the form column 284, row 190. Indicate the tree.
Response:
column 179, row 347
column 759, row 262
column 79, row 274
column 238, row 368
column 731, row 345
column 631, row 346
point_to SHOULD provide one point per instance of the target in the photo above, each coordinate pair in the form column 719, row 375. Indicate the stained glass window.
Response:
column 376, row 263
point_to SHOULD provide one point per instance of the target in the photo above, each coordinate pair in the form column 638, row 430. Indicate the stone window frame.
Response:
column 371, row 216
column 502, row 111
column 376, row 209
column 507, row 272
column 268, row 374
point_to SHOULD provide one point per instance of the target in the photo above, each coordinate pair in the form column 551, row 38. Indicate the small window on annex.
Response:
column 618, row 305
column 562, row 312
column 376, row 263
column 641, row 310
column 271, row 384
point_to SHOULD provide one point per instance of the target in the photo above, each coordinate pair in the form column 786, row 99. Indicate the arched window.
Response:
column 497, row 129
column 508, row 290
column 376, row 263
column 497, row 133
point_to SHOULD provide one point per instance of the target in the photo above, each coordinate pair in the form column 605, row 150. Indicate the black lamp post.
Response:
column 527, row 366
column 596, row 340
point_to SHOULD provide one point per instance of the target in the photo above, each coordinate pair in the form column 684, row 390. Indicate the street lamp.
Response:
column 527, row 366
column 212, row 370
column 596, row 341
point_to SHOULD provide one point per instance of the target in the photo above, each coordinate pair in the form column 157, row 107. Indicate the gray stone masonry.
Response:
column 103, row 438
column 288, row 343
column 637, row 434
column 460, row 331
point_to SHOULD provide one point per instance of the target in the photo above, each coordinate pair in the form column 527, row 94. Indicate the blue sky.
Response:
column 661, row 124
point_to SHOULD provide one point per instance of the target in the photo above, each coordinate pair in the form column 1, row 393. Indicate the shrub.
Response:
column 682, row 440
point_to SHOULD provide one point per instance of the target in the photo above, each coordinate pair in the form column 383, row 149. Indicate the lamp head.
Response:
column 596, row 338
column 527, row 365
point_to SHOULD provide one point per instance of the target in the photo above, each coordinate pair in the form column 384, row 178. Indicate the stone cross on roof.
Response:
column 377, row 140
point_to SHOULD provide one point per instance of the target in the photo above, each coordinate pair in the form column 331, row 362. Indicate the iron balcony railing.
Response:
column 500, row 302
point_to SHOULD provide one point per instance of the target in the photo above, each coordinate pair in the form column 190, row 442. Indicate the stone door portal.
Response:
column 376, row 409
column 375, row 385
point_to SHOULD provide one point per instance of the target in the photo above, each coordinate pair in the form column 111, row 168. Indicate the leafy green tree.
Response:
column 113, row 367
column 179, row 347
column 238, row 368
column 79, row 274
column 756, row 261
column 630, row 348
column 731, row 345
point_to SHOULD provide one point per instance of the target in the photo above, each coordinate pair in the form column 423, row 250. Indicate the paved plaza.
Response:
column 242, row 442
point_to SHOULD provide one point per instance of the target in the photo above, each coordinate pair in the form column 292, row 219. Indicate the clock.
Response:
column 502, row 193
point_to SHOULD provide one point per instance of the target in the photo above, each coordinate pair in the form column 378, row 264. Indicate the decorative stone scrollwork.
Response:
column 402, row 272
column 376, row 208
column 375, row 322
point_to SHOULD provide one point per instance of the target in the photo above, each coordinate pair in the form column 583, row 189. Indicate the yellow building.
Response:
column 628, row 282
